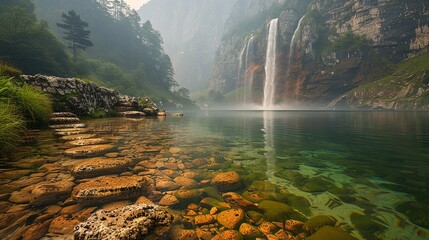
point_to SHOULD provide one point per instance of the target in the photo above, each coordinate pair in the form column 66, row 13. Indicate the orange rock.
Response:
column 231, row 219
column 227, row 181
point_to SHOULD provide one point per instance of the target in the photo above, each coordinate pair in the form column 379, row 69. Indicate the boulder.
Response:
column 209, row 203
column 133, row 114
column 99, row 166
column 186, row 182
column 130, row 222
column 178, row 233
column 231, row 219
column 278, row 211
column 227, row 181
column 107, row 189
column 89, row 151
column 204, row 219
column 168, row 200
column 229, row 235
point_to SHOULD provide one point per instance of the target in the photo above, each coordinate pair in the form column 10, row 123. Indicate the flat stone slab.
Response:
column 88, row 141
column 77, row 137
column 108, row 189
column 130, row 222
column 73, row 125
column 70, row 131
column 89, row 151
column 100, row 166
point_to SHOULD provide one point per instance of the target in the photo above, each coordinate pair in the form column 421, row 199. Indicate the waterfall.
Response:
column 248, row 74
column 270, row 66
column 241, row 69
column 293, row 40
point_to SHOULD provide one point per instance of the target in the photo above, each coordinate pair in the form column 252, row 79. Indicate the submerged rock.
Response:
column 236, row 201
column 89, row 151
column 47, row 193
column 99, row 166
column 231, row 219
column 130, row 222
column 77, row 137
column 250, row 232
column 63, row 120
column 227, row 181
column 330, row 233
column 278, row 211
column 106, row 189
column 315, row 223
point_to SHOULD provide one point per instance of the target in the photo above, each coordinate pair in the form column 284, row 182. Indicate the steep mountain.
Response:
column 191, row 30
column 325, row 48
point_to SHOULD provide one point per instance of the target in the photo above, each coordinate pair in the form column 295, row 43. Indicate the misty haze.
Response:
column 214, row 119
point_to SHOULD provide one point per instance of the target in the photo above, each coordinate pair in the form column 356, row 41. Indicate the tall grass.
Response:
column 20, row 106
column 11, row 126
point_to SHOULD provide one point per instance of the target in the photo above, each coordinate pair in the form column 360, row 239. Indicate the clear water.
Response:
column 367, row 169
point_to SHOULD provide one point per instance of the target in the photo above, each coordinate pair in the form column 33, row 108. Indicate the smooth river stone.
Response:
column 63, row 114
column 99, row 166
column 89, row 151
column 77, row 137
column 70, row 131
column 130, row 222
column 107, row 189
column 88, row 141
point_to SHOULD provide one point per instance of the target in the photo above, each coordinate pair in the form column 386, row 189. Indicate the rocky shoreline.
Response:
column 85, row 98
column 103, row 189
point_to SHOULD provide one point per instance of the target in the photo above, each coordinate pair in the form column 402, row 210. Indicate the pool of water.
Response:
column 367, row 169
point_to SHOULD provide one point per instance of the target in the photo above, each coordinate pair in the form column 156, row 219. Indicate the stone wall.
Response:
column 84, row 98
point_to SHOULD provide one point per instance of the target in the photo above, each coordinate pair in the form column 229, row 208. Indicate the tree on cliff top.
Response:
column 75, row 33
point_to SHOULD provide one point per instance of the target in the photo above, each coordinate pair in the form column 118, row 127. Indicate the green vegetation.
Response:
column 9, row 70
column 350, row 41
column 20, row 106
column 75, row 32
column 411, row 73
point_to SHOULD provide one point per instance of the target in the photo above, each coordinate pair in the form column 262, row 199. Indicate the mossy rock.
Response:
column 317, row 184
column 299, row 203
column 263, row 186
column 255, row 216
column 366, row 225
column 290, row 175
column 250, row 232
column 287, row 164
column 212, row 192
column 315, row 223
column 331, row 233
column 417, row 212
column 256, row 196
column 278, row 211
column 209, row 202
column 188, row 196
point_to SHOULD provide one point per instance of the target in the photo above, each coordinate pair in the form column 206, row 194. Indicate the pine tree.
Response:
column 75, row 33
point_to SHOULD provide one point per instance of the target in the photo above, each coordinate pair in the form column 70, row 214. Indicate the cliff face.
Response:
column 337, row 46
column 191, row 30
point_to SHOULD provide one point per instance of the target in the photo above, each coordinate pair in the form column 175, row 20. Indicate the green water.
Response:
column 367, row 169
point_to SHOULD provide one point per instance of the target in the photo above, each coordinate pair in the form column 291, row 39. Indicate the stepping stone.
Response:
column 108, row 189
column 89, row 151
column 64, row 120
column 133, row 114
column 88, row 141
column 63, row 114
column 77, row 137
column 75, row 125
column 70, row 131
column 99, row 166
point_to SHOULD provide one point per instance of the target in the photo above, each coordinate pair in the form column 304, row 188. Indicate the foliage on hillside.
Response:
column 127, row 55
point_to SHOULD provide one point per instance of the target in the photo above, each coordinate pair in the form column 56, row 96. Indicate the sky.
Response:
column 136, row 3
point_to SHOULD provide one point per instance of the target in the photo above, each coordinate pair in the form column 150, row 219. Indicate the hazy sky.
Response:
column 136, row 3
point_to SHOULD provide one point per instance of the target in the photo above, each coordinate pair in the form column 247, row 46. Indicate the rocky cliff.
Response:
column 192, row 30
column 83, row 98
column 337, row 46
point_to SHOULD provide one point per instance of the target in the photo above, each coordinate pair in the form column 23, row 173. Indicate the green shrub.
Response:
column 11, row 126
column 350, row 41
column 7, row 70
column 34, row 106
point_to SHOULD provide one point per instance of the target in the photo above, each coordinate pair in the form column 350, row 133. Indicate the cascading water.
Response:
column 293, row 40
column 248, row 74
column 270, row 66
